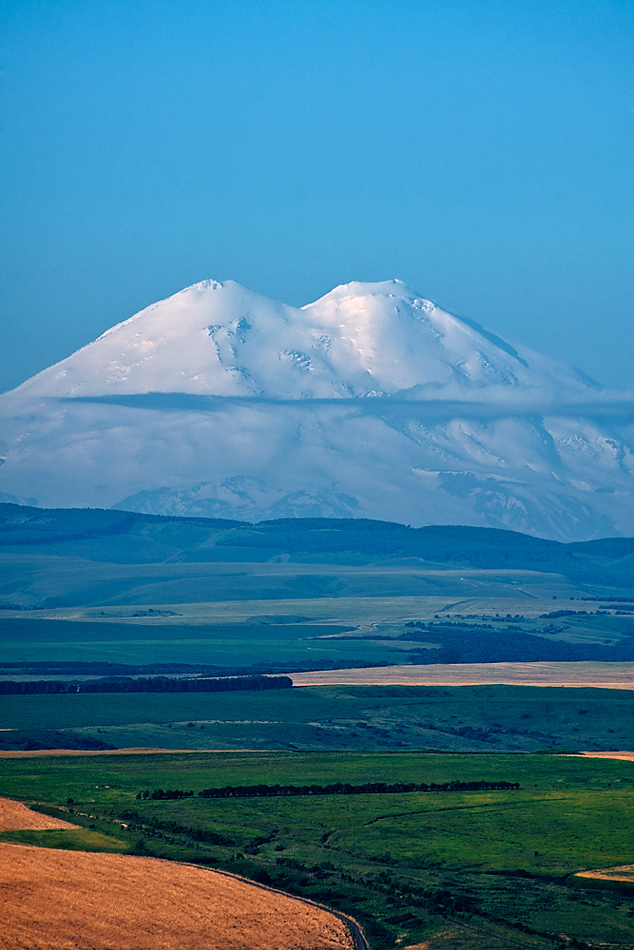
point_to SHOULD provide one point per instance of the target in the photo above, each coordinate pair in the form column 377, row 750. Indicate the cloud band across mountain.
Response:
column 489, row 403
column 370, row 402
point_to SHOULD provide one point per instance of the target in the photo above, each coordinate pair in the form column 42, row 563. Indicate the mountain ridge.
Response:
column 371, row 312
column 467, row 545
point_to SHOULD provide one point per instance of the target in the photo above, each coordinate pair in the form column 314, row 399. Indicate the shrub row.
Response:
column 157, row 827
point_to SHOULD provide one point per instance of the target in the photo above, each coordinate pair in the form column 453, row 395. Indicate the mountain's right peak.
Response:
column 380, row 288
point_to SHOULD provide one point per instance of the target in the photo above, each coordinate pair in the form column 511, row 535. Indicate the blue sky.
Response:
column 481, row 151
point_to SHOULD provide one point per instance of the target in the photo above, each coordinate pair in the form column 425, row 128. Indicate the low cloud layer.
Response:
column 479, row 403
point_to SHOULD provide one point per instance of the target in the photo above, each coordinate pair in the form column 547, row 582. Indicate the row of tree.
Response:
column 343, row 788
column 150, row 684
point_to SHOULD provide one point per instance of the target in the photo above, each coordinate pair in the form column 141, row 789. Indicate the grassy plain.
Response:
column 489, row 870
column 493, row 865
column 314, row 634
column 384, row 717
column 220, row 647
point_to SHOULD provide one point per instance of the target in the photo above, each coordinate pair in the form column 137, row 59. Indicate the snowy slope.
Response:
column 358, row 340
column 371, row 401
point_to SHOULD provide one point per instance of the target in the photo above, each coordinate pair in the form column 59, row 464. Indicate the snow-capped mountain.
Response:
column 370, row 402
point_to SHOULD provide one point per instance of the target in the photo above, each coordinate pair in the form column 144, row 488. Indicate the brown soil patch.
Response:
column 14, row 816
column 600, row 675
column 37, row 753
column 626, row 756
column 64, row 900
column 142, row 750
column 624, row 872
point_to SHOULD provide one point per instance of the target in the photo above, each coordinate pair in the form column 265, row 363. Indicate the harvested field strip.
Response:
column 624, row 873
column 44, row 753
column 582, row 674
column 59, row 899
column 14, row 816
column 621, row 754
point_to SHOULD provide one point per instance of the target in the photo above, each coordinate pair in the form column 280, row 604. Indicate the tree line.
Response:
column 150, row 684
column 336, row 788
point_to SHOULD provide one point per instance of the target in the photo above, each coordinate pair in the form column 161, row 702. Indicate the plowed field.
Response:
column 63, row 900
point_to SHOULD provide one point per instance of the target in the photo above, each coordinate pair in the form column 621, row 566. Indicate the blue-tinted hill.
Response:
column 129, row 537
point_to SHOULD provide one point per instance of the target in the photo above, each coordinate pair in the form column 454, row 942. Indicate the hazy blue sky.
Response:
column 483, row 151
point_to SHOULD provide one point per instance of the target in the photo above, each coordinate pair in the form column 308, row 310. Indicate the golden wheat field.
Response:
column 68, row 900
column 624, row 755
column 599, row 675
column 58, row 900
column 14, row 816
column 623, row 873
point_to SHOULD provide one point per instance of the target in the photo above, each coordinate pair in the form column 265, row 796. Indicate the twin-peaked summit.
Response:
column 370, row 402
column 359, row 340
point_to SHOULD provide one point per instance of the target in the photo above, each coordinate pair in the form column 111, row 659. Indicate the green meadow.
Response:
column 381, row 718
column 492, row 868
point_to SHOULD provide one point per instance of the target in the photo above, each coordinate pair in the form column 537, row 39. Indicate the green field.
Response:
column 491, row 868
column 463, row 718
column 91, row 586
column 311, row 634
column 218, row 647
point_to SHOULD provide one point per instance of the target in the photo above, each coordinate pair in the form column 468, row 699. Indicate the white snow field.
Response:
column 371, row 402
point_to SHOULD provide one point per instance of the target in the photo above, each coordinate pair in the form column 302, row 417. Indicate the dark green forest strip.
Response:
column 343, row 788
column 336, row 788
column 153, row 684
